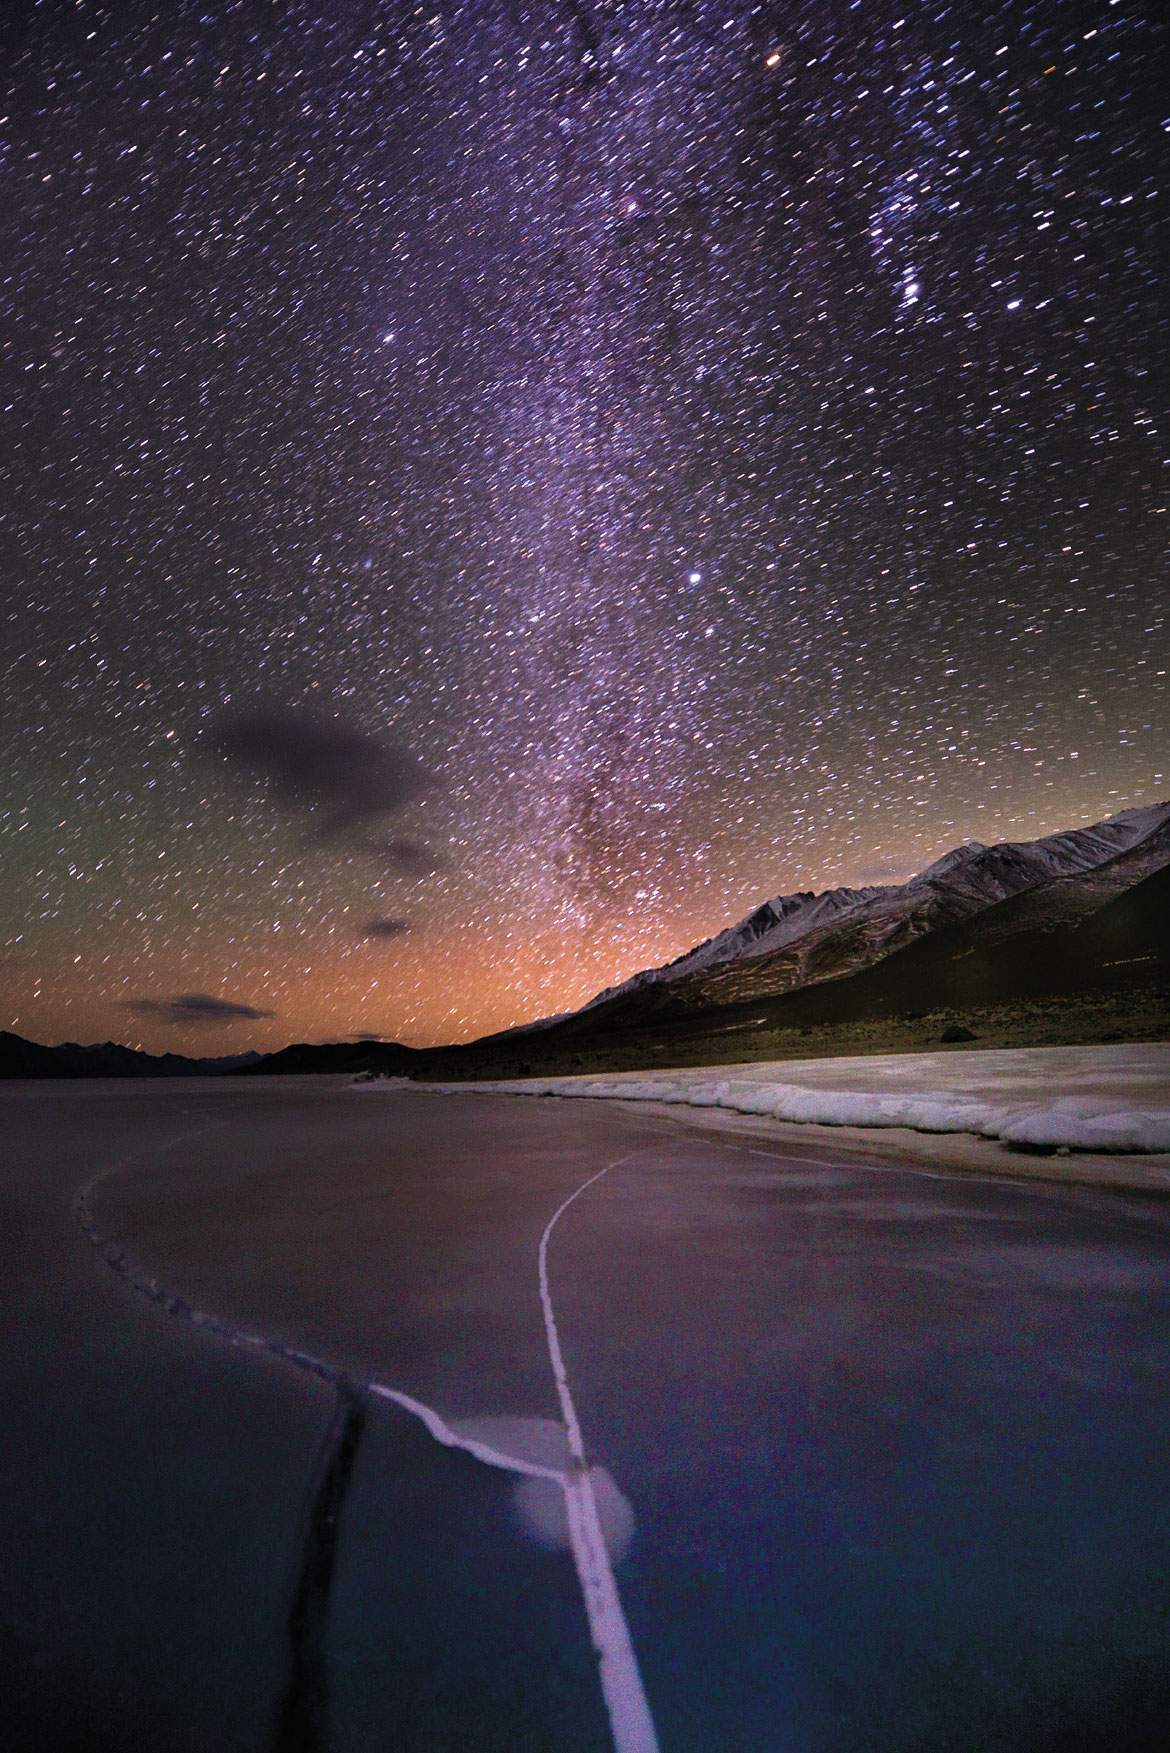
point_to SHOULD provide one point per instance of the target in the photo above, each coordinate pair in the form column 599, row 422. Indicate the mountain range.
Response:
column 1066, row 938
column 798, row 939
column 1076, row 918
column 21, row 1058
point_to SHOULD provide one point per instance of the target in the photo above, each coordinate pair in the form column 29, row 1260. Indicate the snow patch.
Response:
column 1085, row 1099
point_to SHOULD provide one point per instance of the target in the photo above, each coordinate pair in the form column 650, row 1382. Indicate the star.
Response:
column 385, row 377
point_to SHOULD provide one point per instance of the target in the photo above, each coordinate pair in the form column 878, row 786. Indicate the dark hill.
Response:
column 386, row 1058
column 21, row 1058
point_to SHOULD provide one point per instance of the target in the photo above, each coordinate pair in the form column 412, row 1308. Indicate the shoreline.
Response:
column 1090, row 1116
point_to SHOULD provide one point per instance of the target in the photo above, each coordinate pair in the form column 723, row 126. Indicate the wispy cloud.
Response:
column 345, row 776
column 407, row 856
column 194, row 1007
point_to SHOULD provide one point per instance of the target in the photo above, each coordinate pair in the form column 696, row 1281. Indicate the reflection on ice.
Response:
column 541, row 1507
column 539, row 1497
column 1066, row 1267
column 538, row 1442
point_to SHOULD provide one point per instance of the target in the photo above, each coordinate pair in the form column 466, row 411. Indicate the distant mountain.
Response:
column 21, row 1058
column 387, row 1058
column 1076, row 923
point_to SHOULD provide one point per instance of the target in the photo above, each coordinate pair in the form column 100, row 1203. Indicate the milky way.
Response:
column 717, row 449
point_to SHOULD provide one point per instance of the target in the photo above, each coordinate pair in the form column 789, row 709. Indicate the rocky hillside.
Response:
column 799, row 940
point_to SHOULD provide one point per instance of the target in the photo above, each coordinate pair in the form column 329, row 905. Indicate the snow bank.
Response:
column 1011, row 1097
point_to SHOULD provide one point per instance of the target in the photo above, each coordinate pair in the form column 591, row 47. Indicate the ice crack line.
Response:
column 631, row 1724
column 621, row 1683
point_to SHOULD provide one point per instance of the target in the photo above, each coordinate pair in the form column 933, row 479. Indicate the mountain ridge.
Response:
column 1001, row 943
column 825, row 936
column 20, row 1057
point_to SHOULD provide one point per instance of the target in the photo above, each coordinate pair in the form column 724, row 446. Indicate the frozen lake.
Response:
column 880, row 1453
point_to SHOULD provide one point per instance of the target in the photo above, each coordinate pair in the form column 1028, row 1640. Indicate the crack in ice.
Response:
column 631, row 1724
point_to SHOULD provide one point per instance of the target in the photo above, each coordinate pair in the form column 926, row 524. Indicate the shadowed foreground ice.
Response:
column 895, row 1438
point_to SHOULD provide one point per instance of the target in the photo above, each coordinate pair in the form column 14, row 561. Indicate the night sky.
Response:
column 492, row 491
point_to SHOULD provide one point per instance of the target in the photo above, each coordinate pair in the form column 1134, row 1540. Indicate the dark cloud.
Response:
column 334, row 768
column 407, row 856
column 367, row 1035
column 194, row 1007
column 385, row 927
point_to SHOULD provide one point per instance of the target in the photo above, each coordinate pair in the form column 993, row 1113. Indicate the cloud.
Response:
column 367, row 1035
column 385, row 927
column 407, row 856
column 324, row 764
column 193, row 1007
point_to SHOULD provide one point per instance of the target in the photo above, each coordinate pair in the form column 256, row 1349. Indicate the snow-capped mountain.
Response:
column 807, row 938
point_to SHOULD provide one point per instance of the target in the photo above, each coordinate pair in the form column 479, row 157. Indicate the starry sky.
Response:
column 491, row 491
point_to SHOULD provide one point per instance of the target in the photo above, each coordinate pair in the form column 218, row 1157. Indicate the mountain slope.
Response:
column 1049, row 942
column 825, row 937
column 997, row 959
